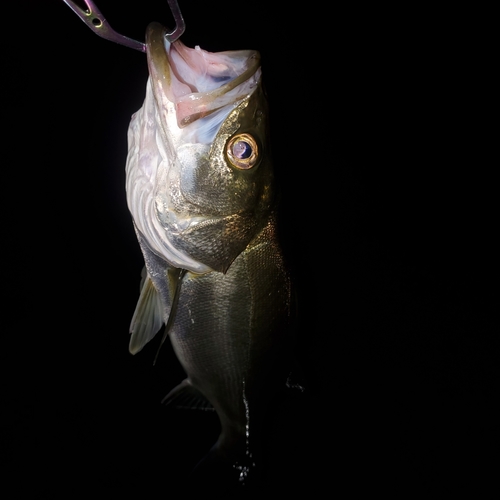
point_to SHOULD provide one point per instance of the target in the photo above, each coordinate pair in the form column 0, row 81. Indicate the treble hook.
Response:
column 94, row 19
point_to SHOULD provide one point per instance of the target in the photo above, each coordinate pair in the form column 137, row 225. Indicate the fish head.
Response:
column 199, row 171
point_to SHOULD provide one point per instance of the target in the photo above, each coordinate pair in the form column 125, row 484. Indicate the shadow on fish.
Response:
column 201, row 192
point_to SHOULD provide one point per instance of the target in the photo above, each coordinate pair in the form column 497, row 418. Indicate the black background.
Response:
column 380, row 141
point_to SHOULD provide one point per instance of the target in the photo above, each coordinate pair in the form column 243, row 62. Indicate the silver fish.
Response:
column 200, row 188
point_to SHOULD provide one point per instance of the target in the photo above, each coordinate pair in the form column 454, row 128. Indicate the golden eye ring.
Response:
column 242, row 151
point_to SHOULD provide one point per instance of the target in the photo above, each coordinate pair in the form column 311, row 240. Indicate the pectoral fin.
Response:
column 148, row 318
column 175, row 276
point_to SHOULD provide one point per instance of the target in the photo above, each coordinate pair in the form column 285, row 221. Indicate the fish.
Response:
column 202, row 194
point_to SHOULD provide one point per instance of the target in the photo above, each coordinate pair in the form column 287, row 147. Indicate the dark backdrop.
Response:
column 380, row 143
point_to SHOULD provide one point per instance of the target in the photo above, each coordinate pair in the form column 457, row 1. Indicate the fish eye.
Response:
column 242, row 151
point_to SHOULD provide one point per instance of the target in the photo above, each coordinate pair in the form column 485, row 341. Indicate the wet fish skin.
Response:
column 208, row 233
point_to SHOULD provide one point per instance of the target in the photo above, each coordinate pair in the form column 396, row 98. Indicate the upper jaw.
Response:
column 198, row 82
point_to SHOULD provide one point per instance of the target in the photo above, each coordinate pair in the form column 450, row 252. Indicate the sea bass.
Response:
column 201, row 191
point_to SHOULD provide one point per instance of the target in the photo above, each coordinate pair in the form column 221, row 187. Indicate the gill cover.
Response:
column 199, row 175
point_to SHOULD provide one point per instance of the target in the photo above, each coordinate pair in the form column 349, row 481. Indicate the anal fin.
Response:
column 186, row 397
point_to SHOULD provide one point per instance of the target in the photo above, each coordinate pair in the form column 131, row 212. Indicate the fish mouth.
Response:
column 196, row 81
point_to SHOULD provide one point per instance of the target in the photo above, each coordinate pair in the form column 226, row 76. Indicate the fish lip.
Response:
column 192, row 105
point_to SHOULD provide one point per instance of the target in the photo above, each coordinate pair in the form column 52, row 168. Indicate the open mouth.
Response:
column 196, row 81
